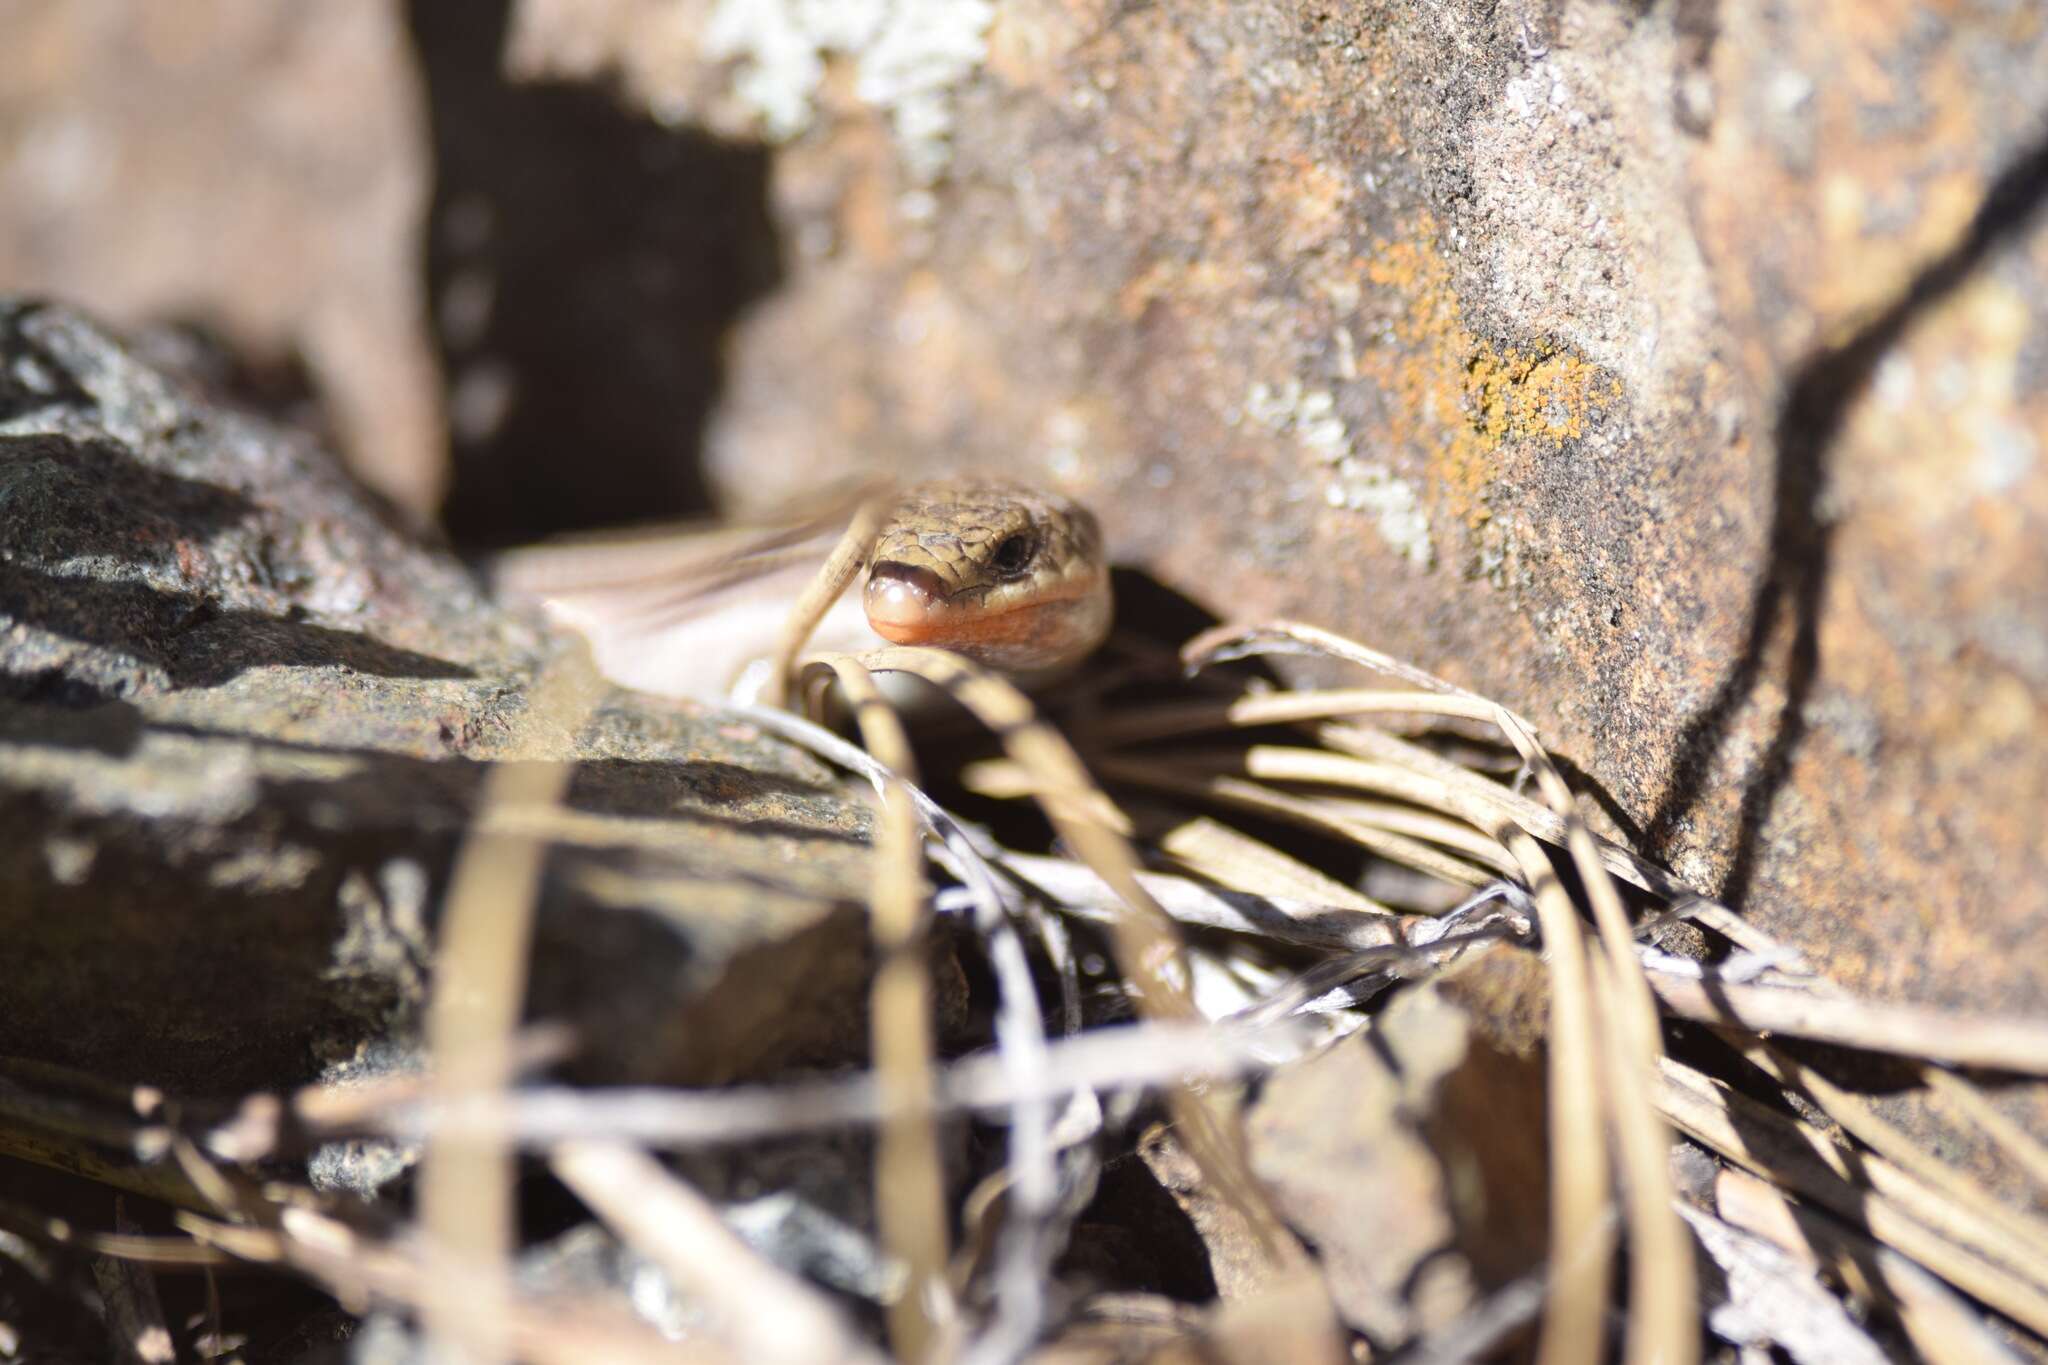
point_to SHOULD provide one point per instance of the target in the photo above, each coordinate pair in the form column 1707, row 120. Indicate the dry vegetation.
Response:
column 1688, row 1133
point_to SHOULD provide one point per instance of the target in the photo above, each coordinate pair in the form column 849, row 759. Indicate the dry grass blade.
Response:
column 1581, row 1234
column 2001, row 1043
column 1355, row 977
column 1315, row 925
column 251, row 1136
column 1943, row 1181
column 821, row 592
column 1486, row 802
column 1663, row 1321
column 1282, row 764
column 1005, row 779
column 767, row 1314
column 1228, row 642
column 1963, row 1224
column 1455, row 835
column 1146, row 943
column 167, row 1252
column 909, row 1193
column 2026, row 1151
column 360, row 1273
column 466, row 1186
column 67, row 1121
column 1109, row 1058
column 1231, row 858
column 135, row 1313
column 1276, row 708
column 1202, row 781
column 1794, row 1155
column 1943, row 1328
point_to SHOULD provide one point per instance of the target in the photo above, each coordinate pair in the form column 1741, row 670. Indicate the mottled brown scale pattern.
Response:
column 1003, row 573
column 954, row 528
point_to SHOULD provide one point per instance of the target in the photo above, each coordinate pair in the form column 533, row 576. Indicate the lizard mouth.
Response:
column 906, row 605
column 909, row 605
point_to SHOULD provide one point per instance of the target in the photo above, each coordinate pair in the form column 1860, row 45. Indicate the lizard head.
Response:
column 1005, row 574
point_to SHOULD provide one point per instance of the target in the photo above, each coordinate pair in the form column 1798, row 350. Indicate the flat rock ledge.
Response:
column 245, row 722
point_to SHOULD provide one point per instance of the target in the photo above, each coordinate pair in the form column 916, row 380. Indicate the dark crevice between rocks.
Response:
column 584, row 268
column 1797, row 555
column 54, row 688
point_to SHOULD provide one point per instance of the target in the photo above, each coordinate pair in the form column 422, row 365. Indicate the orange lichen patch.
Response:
column 1456, row 397
column 1545, row 394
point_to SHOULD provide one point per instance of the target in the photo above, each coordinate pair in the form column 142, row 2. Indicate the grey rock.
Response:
column 244, row 724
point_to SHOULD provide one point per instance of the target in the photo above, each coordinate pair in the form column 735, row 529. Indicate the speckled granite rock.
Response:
column 1677, row 374
column 244, row 723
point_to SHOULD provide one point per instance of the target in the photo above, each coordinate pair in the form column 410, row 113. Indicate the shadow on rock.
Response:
column 190, row 637
column 1798, row 554
column 115, row 523
column 72, row 497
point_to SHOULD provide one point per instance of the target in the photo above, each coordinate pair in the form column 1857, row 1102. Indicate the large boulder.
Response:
column 1676, row 374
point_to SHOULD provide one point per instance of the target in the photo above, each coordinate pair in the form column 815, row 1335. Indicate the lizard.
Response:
column 1003, row 573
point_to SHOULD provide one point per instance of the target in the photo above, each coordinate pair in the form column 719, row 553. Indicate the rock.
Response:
column 1672, row 373
column 244, row 729
column 256, row 170
column 1676, row 375
column 1413, row 1160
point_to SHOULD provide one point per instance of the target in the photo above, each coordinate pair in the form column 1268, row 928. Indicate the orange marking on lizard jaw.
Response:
column 904, row 610
column 905, row 607
column 1001, row 573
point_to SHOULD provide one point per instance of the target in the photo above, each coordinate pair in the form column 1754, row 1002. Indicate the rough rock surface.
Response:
column 1677, row 374
column 1413, row 1161
column 244, row 724
column 1673, row 372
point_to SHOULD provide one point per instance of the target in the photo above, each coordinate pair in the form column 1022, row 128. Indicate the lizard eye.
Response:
column 1013, row 555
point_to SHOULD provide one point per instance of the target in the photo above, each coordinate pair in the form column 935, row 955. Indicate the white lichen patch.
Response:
column 1066, row 444
column 165, row 777
column 1391, row 502
column 2006, row 454
column 909, row 55
column 383, row 936
column 1310, row 416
